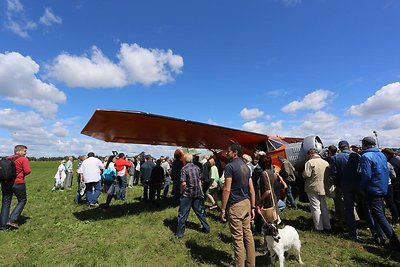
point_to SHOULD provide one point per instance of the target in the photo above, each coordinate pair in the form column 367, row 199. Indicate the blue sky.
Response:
column 279, row 67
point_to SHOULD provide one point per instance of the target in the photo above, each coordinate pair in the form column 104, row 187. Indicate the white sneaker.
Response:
column 53, row 189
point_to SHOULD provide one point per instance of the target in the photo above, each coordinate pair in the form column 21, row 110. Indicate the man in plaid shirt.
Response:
column 192, row 196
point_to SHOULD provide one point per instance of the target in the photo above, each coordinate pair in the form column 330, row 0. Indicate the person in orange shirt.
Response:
column 122, row 166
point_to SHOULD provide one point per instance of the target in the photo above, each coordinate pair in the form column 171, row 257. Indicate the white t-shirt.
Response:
column 138, row 166
column 90, row 169
column 60, row 170
column 166, row 167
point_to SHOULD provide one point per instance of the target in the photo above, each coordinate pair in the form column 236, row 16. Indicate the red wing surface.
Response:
column 145, row 128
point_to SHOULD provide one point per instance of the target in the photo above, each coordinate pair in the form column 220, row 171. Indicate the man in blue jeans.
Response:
column 343, row 167
column 15, row 187
column 91, row 170
column 192, row 196
column 374, row 184
column 122, row 166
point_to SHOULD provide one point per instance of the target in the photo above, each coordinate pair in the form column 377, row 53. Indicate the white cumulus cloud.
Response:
column 252, row 113
column 391, row 123
column 148, row 66
column 16, row 20
column 49, row 18
column 384, row 100
column 318, row 121
column 60, row 130
column 19, row 84
column 136, row 65
column 95, row 71
column 274, row 128
column 314, row 101
column 12, row 119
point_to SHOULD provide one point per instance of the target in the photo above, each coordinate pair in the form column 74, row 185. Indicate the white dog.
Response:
column 280, row 241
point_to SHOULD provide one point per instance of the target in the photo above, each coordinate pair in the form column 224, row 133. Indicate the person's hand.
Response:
column 253, row 214
column 222, row 216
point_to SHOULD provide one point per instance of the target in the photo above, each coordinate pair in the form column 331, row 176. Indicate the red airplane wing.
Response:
column 145, row 128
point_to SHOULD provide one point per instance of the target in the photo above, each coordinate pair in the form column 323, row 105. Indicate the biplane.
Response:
column 138, row 127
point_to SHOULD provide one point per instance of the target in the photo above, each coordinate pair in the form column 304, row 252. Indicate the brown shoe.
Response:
column 12, row 225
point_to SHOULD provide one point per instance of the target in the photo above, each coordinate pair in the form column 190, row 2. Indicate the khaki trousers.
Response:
column 239, row 216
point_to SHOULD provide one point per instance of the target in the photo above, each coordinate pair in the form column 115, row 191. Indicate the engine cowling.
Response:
column 297, row 152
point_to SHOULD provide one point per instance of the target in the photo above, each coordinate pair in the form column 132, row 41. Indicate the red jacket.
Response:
column 22, row 167
column 121, row 163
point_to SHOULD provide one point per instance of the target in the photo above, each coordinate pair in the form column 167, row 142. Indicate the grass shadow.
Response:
column 208, row 254
column 213, row 216
column 117, row 210
column 304, row 207
column 225, row 238
column 172, row 223
column 300, row 223
column 383, row 253
column 23, row 219
column 263, row 260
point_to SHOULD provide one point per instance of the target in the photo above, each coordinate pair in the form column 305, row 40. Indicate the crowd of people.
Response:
column 361, row 182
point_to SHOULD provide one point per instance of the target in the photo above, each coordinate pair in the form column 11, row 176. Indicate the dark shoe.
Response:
column 380, row 241
column 12, row 225
column 204, row 230
column 354, row 238
column 394, row 247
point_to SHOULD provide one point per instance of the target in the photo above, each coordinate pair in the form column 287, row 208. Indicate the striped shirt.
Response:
column 191, row 174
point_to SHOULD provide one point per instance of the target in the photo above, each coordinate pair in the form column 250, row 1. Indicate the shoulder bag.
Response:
column 270, row 215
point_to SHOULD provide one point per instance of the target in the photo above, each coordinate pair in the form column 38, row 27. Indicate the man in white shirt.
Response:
column 90, row 171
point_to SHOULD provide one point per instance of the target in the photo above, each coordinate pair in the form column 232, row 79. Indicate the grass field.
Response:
column 54, row 231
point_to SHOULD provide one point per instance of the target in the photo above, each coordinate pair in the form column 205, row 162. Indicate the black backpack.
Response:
column 7, row 169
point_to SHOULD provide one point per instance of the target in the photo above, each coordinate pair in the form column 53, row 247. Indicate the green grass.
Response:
column 56, row 232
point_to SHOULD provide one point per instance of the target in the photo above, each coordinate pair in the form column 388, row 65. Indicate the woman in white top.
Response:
column 60, row 177
column 215, row 184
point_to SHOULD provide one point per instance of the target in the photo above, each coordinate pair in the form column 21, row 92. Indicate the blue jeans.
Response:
column 155, row 195
column 348, row 199
column 93, row 191
column 281, row 205
column 289, row 197
column 121, row 187
column 146, row 189
column 197, row 204
column 167, row 181
column 110, row 193
column 389, row 200
column 376, row 206
column 7, row 191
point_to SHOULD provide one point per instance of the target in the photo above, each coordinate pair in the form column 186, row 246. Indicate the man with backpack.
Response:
column 15, row 186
